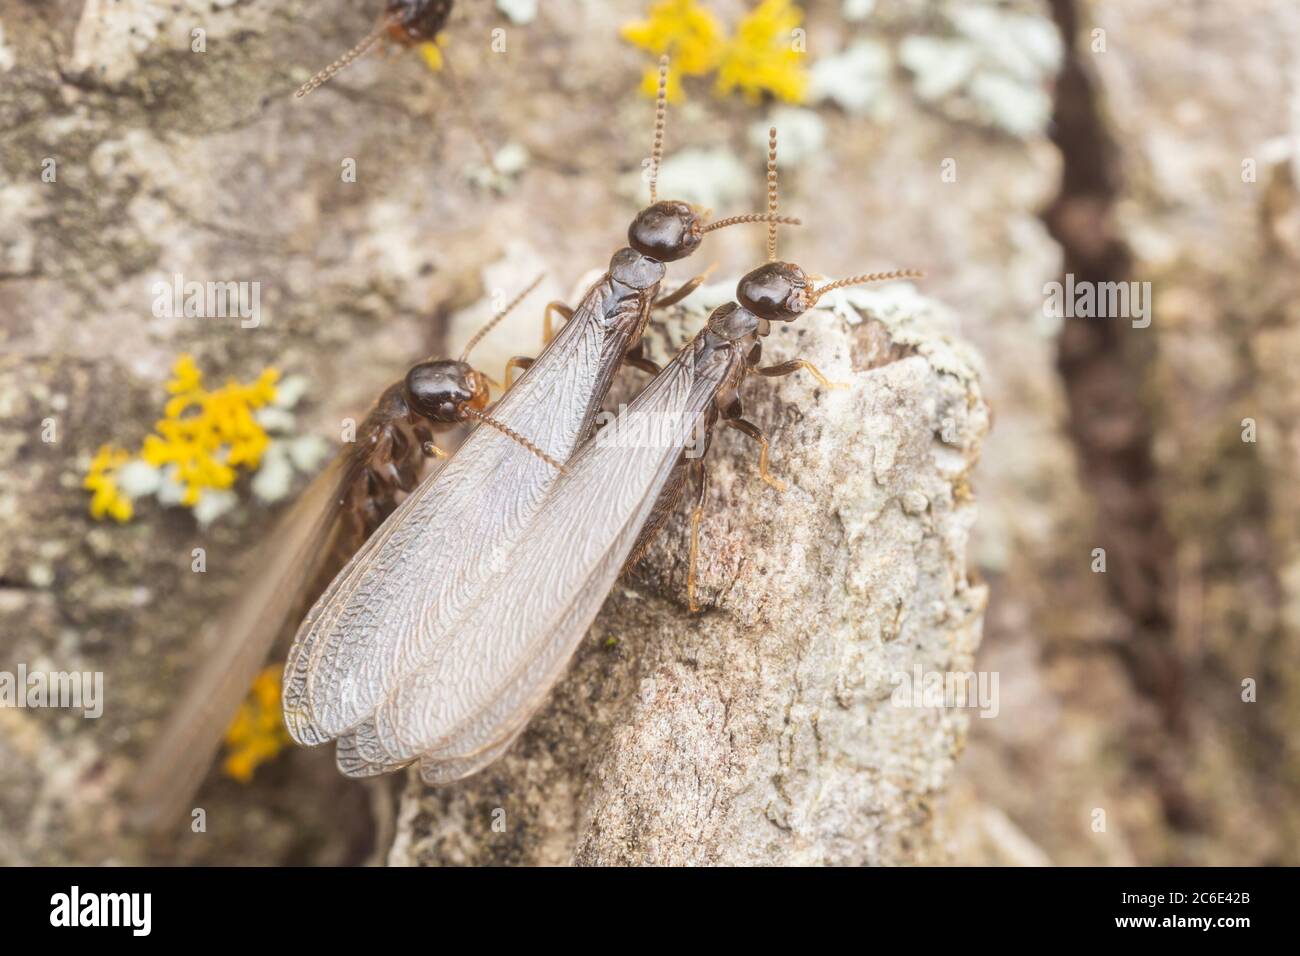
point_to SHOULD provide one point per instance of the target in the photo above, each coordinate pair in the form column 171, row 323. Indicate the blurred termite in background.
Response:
column 397, row 600
column 409, row 23
column 498, row 662
column 405, row 22
column 342, row 507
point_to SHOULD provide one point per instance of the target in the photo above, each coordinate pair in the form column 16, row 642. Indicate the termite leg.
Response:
column 683, row 290
column 786, row 368
column 635, row 357
column 548, row 330
column 692, row 455
column 697, row 514
column 731, row 416
column 424, row 435
column 516, row 362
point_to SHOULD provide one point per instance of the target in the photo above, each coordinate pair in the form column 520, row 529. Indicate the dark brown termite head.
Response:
column 776, row 291
column 445, row 391
column 416, row 21
column 670, row 230
column 782, row 291
column 666, row 231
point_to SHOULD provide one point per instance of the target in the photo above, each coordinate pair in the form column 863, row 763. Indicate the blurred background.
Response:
column 999, row 146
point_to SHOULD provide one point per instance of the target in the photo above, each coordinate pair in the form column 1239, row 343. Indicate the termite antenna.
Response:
column 771, row 194
column 343, row 62
column 492, row 323
column 862, row 279
column 753, row 217
column 471, row 118
column 661, row 113
column 514, row 436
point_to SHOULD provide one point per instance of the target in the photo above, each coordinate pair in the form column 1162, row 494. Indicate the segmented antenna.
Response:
column 661, row 113
column 752, row 217
column 771, row 194
column 514, row 436
column 477, row 337
column 343, row 62
column 869, row 277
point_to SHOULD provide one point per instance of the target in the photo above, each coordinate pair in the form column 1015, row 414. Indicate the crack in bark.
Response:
column 1103, row 367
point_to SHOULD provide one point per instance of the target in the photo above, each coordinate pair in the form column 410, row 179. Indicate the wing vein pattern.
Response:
column 388, row 610
column 515, row 639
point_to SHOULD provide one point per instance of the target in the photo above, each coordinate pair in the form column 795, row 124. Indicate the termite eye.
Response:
column 777, row 291
column 439, row 391
column 666, row 231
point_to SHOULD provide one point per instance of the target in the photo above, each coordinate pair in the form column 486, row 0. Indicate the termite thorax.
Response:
column 635, row 270
column 732, row 322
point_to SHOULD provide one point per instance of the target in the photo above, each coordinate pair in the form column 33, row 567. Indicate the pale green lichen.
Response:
column 992, row 66
column 857, row 79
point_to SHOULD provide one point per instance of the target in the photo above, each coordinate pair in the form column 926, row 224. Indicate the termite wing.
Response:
column 328, row 522
column 389, row 609
column 513, row 643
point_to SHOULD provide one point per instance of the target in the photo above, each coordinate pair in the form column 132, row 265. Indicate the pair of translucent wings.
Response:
column 476, row 691
column 392, row 607
column 477, row 687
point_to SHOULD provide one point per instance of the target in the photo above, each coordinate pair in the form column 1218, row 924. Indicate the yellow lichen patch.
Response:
column 432, row 52
column 687, row 32
column 206, row 436
column 257, row 734
column 107, row 499
column 767, row 54
column 765, row 57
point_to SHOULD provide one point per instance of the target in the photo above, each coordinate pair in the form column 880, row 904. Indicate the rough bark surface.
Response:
column 926, row 145
column 766, row 730
column 171, row 161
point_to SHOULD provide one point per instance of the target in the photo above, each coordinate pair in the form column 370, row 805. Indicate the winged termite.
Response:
column 404, row 22
column 463, row 710
column 390, row 608
column 339, row 510
column 408, row 23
